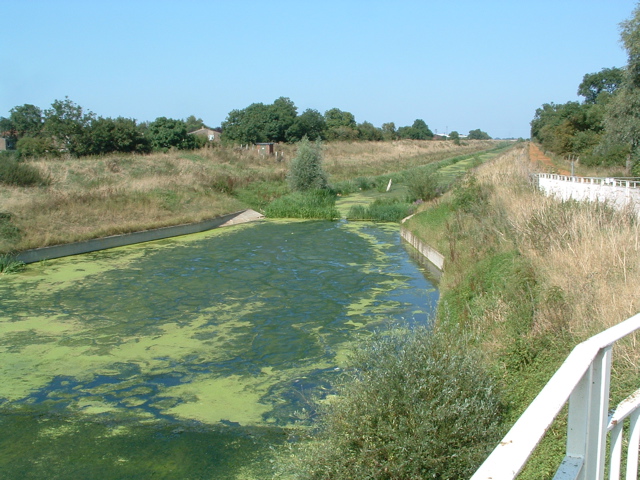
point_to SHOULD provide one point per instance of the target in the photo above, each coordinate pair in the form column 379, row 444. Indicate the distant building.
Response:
column 441, row 136
column 3, row 143
column 212, row 135
column 265, row 148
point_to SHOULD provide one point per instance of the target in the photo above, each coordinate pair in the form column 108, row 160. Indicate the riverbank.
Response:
column 529, row 277
column 94, row 197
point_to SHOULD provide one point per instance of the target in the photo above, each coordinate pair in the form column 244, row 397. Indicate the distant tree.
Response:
column 622, row 120
column 418, row 131
column 421, row 131
column 478, row 134
column 306, row 172
column 165, row 133
column 24, row 120
column 284, row 113
column 259, row 122
column 455, row 136
column 341, row 125
column 106, row 135
column 36, row 147
column 194, row 123
column 607, row 80
column 310, row 124
column 366, row 131
column 65, row 121
column 389, row 131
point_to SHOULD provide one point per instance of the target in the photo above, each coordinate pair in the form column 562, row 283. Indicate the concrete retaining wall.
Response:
column 431, row 254
column 620, row 193
column 57, row 251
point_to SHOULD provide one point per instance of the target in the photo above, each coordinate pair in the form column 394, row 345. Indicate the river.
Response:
column 189, row 357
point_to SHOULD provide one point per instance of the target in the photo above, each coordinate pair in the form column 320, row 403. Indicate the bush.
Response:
column 306, row 171
column 318, row 204
column 424, row 185
column 20, row 174
column 35, row 147
column 416, row 404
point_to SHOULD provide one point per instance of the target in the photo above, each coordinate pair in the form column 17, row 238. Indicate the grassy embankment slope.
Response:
column 98, row 196
column 530, row 277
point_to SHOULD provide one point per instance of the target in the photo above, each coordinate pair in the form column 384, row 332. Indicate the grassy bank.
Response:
column 530, row 277
column 91, row 197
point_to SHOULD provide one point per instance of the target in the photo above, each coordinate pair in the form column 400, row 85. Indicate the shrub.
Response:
column 34, row 147
column 470, row 196
column 20, row 174
column 416, row 404
column 423, row 185
column 306, row 171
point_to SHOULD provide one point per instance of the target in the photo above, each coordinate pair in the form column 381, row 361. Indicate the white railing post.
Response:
column 598, row 415
column 634, row 444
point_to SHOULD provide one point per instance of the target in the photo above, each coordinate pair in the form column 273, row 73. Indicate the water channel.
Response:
column 188, row 357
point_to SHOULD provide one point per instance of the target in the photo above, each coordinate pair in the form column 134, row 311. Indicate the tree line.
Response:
column 603, row 128
column 67, row 127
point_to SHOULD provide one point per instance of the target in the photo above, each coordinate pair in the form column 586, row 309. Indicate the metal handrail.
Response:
column 583, row 381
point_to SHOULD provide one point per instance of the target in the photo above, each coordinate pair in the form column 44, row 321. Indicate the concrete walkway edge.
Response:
column 93, row 245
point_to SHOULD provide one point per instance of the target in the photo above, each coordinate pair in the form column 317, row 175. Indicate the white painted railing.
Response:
column 620, row 193
column 631, row 182
column 583, row 381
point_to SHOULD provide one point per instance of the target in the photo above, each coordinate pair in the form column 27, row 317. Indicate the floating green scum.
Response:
column 186, row 358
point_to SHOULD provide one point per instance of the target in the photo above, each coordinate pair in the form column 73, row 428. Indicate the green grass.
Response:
column 314, row 204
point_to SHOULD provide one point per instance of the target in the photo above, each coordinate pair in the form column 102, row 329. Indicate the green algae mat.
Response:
column 188, row 358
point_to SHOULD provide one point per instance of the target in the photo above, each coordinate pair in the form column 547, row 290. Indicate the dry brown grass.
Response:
column 588, row 254
column 96, row 196
column 348, row 160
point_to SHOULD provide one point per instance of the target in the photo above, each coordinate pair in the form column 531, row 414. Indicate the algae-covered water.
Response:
column 188, row 358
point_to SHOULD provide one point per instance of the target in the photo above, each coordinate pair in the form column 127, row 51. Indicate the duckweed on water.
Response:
column 185, row 358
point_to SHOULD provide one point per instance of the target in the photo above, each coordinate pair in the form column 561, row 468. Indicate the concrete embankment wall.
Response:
column 620, row 193
column 430, row 253
column 57, row 251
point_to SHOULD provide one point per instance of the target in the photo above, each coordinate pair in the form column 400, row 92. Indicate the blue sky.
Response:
column 458, row 65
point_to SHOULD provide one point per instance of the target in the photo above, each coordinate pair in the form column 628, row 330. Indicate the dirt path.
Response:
column 536, row 156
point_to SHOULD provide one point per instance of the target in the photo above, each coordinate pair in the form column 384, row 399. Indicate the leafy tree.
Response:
column 65, row 121
column 340, row 125
column 418, row 131
column 306, row 172
column 455, row 136
column 260, row 123
column 310, row 124
column 366, row 131
column 165, row 133
column 389, row 131
column 622, row 119
column 106, row 135
column 421, row 131
column 607, row 80
column 24, row 120
column 478, row 134
column 192, row 123
column 284, row 113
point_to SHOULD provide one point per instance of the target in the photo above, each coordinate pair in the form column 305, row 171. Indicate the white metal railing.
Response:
column 583, row 380
column 631, row 182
